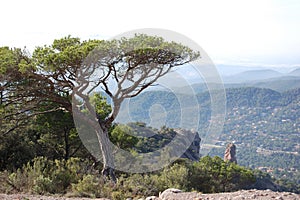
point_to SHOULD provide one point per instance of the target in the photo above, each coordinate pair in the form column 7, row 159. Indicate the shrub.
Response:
column 139, row 185
column 5, row 187
column 89, row 186
column 214, row 175
column 19, row 181
column 176, row 176
column 208, row 175
column 118, row 195
column 45, row 176
column 43, row 185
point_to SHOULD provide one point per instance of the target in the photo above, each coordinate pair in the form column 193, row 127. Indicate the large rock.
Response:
column 230, row 153
column 193, row 152
column 185, row 143
column 153, row 198
column 176, row 194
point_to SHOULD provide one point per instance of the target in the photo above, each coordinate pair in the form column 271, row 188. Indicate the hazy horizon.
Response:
column 234, row 33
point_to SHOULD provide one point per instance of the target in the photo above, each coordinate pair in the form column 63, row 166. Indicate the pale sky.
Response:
column 236, row 32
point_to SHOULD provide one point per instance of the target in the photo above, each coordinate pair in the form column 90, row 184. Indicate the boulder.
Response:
column 230, row 153
column 152, row 198
column 193, row 152
column 176, row 194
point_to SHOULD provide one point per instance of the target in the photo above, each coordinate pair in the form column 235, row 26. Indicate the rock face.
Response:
column 230, row 153
column 193, row 152
column 186, row 143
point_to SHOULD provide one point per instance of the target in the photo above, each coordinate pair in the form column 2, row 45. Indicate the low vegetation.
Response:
column 76, row 177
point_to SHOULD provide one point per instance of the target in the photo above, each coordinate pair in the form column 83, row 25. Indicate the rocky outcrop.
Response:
column 185, row 143
column 230, row 153
column 193, row 152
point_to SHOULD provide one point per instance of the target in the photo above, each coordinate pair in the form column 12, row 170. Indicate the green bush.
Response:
column 19, row 181
column 43, row 185
column 209, row 175
column 89, row 186
column 118, row 195
column 63, row 174
column 212, row 175
column 176, row 176
column 139, row 185
column 43, row 176
column 5, row 187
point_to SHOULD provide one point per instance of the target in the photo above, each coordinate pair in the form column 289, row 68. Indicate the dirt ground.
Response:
column 239, row 195
column 40, row 197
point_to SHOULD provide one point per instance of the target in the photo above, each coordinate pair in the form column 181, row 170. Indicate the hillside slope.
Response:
column 264, row 124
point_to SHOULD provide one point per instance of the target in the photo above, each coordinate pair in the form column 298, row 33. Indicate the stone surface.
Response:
column 239, row 195
column 40, row 197
column 152, row 198
column 230, row 153
column 193, row 152
column 171, row 194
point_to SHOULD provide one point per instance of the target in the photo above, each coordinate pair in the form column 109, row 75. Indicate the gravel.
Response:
column 239, row 195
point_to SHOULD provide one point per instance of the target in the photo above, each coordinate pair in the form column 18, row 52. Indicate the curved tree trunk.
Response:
column 108, row 170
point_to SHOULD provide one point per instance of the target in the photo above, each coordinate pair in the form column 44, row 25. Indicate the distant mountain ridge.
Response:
column 231, row 70
column 295, row 72
column 252, row 75
column 280, row 84
column 234, row 77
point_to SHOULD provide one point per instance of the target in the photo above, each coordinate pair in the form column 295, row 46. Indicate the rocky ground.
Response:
column 174, row 194
column 40, row 197
column 239, row 195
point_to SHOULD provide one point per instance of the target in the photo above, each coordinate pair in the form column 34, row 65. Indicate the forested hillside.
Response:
column 265, row 126
column 263, row 123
